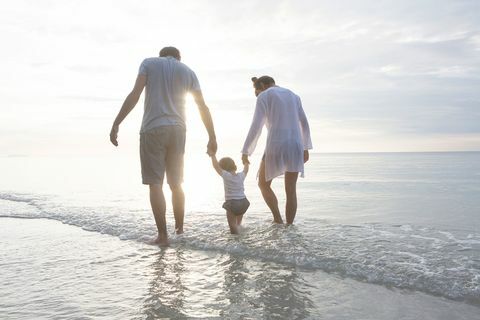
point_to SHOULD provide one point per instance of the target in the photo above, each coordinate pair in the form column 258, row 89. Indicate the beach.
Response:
column 52, row 271
column 377, row 237
column 366, row 115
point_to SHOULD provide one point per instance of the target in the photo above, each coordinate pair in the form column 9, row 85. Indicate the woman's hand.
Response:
column 306, row 156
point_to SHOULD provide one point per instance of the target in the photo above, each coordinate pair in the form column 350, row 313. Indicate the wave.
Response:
column 439, row 262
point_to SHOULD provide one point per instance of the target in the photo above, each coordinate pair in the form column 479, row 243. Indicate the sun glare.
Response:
column 231, row 127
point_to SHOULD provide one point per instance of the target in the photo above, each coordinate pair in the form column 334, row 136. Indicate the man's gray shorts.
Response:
column 236, row 206
column 162, row 150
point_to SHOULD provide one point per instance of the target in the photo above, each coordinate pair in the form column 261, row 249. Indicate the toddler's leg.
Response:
column 239, row 219
column 232, row 222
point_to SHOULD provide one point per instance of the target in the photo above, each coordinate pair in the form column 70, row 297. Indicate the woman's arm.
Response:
column 305, row 129
column 255, row 128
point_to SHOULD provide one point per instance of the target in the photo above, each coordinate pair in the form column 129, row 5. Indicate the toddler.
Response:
column 236, row 202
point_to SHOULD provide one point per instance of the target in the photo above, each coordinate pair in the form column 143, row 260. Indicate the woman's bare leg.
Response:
column 291, row 193
column 268, row 194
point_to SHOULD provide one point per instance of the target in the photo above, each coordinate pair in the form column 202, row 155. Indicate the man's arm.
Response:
column 215, row 164
column 129, row 103
column 207, row 121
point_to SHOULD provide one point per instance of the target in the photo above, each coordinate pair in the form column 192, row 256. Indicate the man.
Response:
column 288, row 142
column 162, row 134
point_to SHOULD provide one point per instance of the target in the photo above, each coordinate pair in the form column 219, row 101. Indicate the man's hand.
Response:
column 212, row 147
column 245, row 159
column 114, row 135
column 306, row 156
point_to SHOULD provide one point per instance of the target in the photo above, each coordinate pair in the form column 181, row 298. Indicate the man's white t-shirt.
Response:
column 233, row 184
column 168, row 82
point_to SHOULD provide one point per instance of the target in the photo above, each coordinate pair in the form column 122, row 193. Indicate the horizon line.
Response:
column 312, row 153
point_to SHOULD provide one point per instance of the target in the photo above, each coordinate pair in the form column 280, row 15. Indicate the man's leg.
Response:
column 157, row 201
column 268, row 194
column 291, row 193
column 178, row 202
column 174, row 161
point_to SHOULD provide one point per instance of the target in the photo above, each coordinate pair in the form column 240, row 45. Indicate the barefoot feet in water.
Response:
column 159, row 241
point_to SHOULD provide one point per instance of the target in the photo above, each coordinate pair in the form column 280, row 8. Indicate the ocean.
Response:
column 377, row 236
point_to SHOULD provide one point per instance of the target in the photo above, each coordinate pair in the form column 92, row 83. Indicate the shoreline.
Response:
column 98, row 267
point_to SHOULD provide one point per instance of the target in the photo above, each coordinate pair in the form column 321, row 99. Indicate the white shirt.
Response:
column 280, row 110
column 168, row 82
column 233, row 184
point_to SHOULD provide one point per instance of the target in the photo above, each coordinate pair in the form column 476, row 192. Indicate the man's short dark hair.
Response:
column 170, row 52
column 265, row 80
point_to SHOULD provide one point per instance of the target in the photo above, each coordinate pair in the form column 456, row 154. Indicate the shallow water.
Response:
column 77, row 274
column 400, row 229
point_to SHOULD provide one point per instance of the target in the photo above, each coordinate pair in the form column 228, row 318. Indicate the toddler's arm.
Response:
column 246, row 166
column 215, row 164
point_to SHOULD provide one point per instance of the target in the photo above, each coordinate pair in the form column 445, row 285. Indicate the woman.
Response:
column 288, row 142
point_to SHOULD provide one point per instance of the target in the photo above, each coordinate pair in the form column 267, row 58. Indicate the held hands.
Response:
column 212, row 147
column 114, row 135
column 245, row 159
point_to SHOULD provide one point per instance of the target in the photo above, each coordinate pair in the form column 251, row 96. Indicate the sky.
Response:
column 373, row 76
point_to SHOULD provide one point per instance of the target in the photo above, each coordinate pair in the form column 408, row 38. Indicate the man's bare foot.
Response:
column 277, row 221
column 179, row 231
column 159, row 241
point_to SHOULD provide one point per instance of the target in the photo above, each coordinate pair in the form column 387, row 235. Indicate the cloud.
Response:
column 391, row 70
column 87, row 98
column 90, row 69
